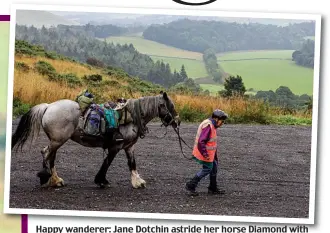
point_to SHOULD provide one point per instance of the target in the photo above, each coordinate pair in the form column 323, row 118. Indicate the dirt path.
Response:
column 265, row 171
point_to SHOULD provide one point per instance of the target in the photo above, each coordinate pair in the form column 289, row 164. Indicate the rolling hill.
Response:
column 150, row 47
column 38, row 19
column 192, row 61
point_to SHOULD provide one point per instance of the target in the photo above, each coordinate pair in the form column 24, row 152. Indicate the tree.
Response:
column 183, row 73
column 305, row 56
column 309, row 105
column 234, row 86
column 268, row 96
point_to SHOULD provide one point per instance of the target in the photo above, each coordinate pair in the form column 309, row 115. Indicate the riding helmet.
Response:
column 221, row 115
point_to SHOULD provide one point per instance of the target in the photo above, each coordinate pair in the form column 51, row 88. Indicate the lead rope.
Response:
column 181, row 139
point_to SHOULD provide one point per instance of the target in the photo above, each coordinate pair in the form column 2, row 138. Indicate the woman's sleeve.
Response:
column 203, row 139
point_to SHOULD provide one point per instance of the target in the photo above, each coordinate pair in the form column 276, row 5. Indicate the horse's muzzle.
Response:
column 176, row 123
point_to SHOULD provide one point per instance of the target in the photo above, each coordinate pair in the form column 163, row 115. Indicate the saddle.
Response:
column 99, row 119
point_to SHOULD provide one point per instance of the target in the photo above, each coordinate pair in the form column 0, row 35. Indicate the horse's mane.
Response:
column 143, row 108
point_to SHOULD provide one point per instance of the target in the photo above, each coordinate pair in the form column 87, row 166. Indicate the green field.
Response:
column 153, row 48
column 258, row 54
column 269, row 74
column 213, row 88
column 4, row 46
column 194, row 68
column 192, row 61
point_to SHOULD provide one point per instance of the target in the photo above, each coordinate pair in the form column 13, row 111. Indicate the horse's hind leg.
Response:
column 48, row 176
column 137, row 181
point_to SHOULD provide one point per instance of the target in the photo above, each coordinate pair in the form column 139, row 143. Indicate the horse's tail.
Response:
column 29, row 124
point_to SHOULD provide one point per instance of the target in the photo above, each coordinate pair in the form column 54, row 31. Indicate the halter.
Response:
column 167, row 115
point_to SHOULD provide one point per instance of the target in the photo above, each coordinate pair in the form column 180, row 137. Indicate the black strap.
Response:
column 125, row 121
column 181, row 139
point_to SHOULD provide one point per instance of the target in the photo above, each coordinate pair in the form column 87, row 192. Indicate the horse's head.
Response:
column 167, row 112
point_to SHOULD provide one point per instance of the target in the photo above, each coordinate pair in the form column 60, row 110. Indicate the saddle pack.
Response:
column 98, row 119
column 84, row 99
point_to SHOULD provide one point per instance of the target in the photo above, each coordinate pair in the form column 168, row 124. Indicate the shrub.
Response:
column 187, row 113
column 19, row 108
column 22, row 66
column 44, row 68
column 71, row 79
column 92, row 78
column 52, row 55
column 111, row 83
column 23, row 47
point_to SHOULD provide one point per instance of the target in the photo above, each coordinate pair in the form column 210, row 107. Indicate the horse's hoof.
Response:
column 60, row 183
column 44, row 176
column 56, row 183
column 143, row 184
column 104, row 185
column 138, row 185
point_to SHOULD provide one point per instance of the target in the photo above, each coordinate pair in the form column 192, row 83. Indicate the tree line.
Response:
column 198, row 35
column 101, row 31
column 283, row 97
column 305, row 55
column 74, row 42
column 212, row 66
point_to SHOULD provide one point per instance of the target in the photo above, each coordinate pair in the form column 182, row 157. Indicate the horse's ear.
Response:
column 165, row 96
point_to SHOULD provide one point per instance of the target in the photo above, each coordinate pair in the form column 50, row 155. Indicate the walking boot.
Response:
column 192, row 184
column 213, row 188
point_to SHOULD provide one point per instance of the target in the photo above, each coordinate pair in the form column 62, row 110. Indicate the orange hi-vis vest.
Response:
column 211, row 145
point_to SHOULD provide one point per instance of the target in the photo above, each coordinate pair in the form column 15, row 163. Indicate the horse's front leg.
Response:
column 137, row 181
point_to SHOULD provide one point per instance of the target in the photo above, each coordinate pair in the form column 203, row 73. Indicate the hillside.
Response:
column 198, row 36
column 41, row 18
column 79, row 43
column 43, row 76
column 175, row 57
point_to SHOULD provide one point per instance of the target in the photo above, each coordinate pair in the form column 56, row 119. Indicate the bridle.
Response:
column 167, row 119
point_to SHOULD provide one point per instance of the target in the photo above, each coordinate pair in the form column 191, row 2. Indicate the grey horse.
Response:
column 59, row 121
